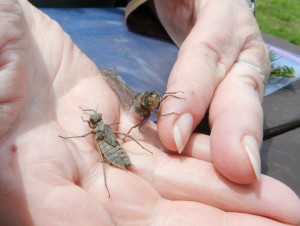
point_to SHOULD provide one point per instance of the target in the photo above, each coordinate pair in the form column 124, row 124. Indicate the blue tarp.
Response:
column 143, row 62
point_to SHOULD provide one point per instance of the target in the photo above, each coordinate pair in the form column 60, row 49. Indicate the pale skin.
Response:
column 46, row 180
column 212, row 36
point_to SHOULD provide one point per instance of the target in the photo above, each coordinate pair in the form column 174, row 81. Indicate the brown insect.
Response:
column 143, row 104
column 106, row 142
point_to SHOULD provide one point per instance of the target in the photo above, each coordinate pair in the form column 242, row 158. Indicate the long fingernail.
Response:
column 182, row 131
column 252, row 150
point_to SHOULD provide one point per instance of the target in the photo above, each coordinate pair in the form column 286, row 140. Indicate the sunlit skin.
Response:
column 46, row 180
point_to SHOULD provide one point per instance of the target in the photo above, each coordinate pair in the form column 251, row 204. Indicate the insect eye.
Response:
column 149, row 98
column 154, row 96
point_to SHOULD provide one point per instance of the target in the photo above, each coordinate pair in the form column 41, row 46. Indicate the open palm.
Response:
column 46, row 180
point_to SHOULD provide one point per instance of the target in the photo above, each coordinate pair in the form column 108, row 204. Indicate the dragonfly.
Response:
column 143, row 104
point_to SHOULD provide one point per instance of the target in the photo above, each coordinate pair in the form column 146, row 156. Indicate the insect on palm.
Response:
column 107, row 145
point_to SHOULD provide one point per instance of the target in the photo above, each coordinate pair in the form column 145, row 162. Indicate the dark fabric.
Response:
column 144, row 20
column 78, row 3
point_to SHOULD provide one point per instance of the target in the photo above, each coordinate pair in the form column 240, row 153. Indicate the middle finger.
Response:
column 183, row 178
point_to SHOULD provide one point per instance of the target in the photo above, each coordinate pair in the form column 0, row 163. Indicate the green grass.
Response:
column 280, row 18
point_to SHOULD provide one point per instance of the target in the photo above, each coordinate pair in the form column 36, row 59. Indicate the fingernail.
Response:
column 182, row 131
column 252, row 150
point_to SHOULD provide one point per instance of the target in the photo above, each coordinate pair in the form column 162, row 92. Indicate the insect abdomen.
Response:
column 115, row 155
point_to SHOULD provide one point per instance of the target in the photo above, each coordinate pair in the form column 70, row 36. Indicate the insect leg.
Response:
column 114, row 122
column 143, row 121
column 174, row 92
column 166, row 114
column 171, row 94
column 90, row 124
column 127, row 135
column 84, row 135
column 103, row 162
column 95, row 112
column 170, row 114
column 139, row 125
column 84, row 120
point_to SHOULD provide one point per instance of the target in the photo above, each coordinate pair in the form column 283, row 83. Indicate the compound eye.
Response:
column 149, row 98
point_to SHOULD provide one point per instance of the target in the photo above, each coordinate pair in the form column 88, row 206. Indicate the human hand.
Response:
column 45, row 180
column 213, row 35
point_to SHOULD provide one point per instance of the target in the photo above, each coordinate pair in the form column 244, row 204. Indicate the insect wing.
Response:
column 118, row 85
column 109, row 136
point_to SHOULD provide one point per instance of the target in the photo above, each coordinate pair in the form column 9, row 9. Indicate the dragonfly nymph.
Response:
column 143, row 104
column 107, row 145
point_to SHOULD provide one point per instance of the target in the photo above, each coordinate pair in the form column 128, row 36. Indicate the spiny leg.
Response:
column 143, row 121
column 174, row 92
column 172, row 113
column 171, row 94
column 95, row 112
column 103, row 167
column 127, row 135
column 88, row 121
column 84, row 135
column 139, row 125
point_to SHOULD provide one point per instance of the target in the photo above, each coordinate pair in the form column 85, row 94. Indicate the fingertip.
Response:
column 236, row 117
column 179, row 116
column 187, row 109
column 236, row 156
column 235, row 142
column 174, row 133
column 182, row 130
column 252, row 149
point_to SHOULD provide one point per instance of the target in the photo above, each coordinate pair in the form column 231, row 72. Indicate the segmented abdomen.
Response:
column 114, row 155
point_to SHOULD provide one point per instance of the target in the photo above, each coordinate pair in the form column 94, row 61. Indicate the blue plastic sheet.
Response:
column 143, row 62
column 283, row 58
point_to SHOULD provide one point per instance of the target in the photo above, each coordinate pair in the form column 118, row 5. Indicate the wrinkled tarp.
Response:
column 143, row 62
